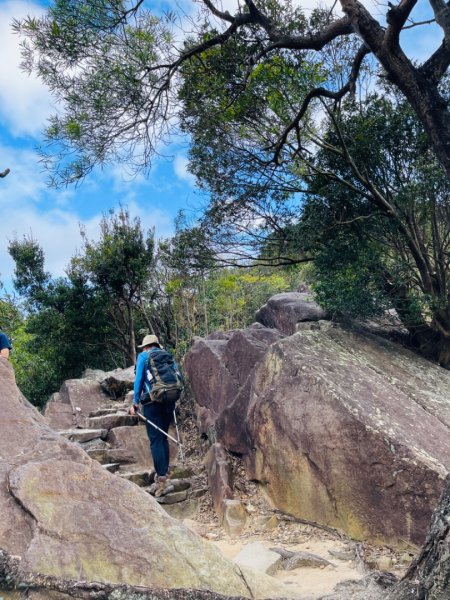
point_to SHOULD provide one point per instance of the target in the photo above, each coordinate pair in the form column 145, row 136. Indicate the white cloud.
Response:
column 180, row 167
column 25, row 103
column 53, row 218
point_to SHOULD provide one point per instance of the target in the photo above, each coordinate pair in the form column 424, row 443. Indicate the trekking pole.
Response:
column 178, row 436
column 141, row 416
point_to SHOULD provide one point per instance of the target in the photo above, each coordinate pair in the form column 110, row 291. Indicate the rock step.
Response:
column 172, row 497
column 112, row 467
column 140, row 478
column 84, row 435
column 110, row 455
column 103, row 411
column 119, row 419
column 178, row 491
column 177, row 485
column 95, row 444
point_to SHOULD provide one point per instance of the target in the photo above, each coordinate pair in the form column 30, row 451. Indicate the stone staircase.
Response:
column 93, row 413
column 118, row 441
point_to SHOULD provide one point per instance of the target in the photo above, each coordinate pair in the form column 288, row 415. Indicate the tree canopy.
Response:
column 116, row 68
column 298, row 164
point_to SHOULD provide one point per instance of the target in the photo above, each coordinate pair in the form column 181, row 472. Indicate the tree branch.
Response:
column 5, row 173
column 396, row 18
column 368, row 28
column 323, row 93
column 436, row 66
column 224, row 15
column 442, row 14
column 317, row 41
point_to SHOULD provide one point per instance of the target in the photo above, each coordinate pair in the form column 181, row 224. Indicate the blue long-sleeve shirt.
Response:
column 4, row 341
column 141, row 382
column 141, row 376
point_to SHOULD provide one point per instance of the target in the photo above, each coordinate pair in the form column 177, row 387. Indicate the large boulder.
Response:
column 285, row 311
column 218, row 368
column 71, row 406
column 77, row 398
column 351, row 431
column 65, row 517
column 118, row 382
column 341, row 428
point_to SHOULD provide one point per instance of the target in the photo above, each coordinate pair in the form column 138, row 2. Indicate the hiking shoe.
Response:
column 162, row 483
column 153, row 488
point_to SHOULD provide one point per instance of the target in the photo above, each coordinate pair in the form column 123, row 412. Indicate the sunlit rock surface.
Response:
column 65, row 516
column 342, row 428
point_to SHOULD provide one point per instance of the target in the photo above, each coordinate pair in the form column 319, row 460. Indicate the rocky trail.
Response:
column 308, row 560
column 300, row 437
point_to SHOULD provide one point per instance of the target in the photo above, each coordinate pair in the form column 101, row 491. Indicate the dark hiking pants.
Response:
column 161, row 414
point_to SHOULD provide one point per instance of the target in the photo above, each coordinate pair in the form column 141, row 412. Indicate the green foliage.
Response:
column 30, row 277
column 233, row 297
column 349, row 277
column 97, row 57
column 36, row 374
column 84, row 320
column 10, row 316
column 119, row 266
column 121, row 261
column 234, row 127
column 202, row 300
column 378, row 226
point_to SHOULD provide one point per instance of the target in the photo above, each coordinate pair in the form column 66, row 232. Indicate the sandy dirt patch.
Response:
column 304, row 582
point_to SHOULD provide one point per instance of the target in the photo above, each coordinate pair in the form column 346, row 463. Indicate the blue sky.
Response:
column 53, row 217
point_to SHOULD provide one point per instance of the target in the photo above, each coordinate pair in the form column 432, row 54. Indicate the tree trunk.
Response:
column 131, row 334
column 420, row 85
column 430, row 339
column 428, row 577
column 431, row 344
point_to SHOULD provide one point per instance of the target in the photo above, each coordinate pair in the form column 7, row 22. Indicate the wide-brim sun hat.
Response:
column 148, row 340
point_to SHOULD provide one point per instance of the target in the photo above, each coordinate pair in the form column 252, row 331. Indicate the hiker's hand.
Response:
column 132, row 410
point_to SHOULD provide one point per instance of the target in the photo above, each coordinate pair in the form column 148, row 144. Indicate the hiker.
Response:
column 5, row 345
column 157, row 386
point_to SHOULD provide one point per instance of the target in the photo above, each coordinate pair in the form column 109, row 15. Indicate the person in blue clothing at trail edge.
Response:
column 5, row 345
column 158, row 412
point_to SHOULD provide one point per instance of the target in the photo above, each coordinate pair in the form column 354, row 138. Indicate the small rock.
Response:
column 172, row 497
column 234, row 516
column 384, row 563
column 179, row 485
column 200, row 492
column 406, row 558
column 265, row 523
column 112, row 467
column 258, row 557
column 294, row 560
column 345, row 554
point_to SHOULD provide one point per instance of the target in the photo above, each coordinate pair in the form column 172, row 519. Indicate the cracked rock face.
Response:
column 67, row 517
column 343, row 429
